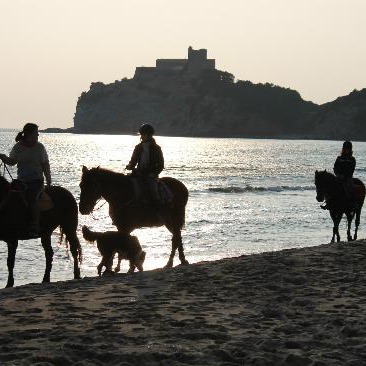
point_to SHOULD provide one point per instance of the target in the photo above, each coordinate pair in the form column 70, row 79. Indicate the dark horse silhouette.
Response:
column 14, row 219
column 331, row 189
column 128, row 213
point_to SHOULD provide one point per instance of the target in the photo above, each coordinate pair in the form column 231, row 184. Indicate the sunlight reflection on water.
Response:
column 246, row 196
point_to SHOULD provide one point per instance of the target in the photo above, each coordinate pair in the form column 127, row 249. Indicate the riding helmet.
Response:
column 347, row 145
column 146, row 129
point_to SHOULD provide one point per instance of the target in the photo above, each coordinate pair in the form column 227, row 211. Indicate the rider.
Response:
column 32, row 163
column 344, row 168
column 149, row 159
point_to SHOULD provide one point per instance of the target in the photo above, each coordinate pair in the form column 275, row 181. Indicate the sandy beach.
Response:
column 293, row 307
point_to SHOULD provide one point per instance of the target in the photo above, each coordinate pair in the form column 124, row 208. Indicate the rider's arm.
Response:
column 353, row 166
column 7, row 160
column 46, row 165
column 47, row 173
column 160, row 161
column 134, row 158
column 336, row 166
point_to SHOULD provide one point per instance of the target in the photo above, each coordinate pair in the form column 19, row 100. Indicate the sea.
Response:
column 246, row 196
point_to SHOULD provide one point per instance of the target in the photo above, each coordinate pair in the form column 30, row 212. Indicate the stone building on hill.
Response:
column 197, row 61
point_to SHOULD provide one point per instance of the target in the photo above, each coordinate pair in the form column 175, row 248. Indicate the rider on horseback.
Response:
column 344, row 168
column 32, row 163
column 149, row 159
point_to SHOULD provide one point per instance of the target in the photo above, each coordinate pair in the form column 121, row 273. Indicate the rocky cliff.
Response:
column 342, row 119
column 212, row 104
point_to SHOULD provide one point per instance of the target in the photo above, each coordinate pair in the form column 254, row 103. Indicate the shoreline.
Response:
column 292, row 307
column 73, row 131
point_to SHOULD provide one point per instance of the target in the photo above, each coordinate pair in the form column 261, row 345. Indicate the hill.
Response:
column 210, row 104
column 190, row 97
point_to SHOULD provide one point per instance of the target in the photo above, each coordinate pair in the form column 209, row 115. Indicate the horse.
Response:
column 331, row 189
column 62, row 211
column 128, row 213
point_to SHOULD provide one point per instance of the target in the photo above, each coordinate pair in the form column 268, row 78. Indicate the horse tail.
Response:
column 67, row 209
column 180, row 213
column 360, row 190
column 180, row 199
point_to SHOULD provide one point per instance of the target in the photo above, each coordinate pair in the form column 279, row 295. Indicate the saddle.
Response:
column 45, row 201
column 141, row 192
column 16, row 206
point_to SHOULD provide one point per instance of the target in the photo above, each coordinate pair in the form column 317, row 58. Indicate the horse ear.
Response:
column 85, row 169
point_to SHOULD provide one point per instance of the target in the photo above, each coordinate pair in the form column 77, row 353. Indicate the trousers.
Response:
column 34, row 190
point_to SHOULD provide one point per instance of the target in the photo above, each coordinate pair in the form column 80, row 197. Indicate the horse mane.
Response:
column 325, row 174
column 108, row 175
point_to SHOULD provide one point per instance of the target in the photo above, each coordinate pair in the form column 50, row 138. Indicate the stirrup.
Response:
column 324, row 207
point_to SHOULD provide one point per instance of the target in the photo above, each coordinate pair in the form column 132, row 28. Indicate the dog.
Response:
column 111, row 242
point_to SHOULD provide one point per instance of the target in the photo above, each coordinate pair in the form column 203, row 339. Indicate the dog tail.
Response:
column 88, row 234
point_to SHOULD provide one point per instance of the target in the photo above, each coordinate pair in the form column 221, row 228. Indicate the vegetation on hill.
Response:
column 213, row 104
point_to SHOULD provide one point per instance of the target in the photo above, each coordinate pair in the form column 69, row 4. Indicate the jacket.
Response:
column 156, row 160
column 344, row 166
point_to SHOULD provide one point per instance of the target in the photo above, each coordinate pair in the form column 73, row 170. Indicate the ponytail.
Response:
column 19, row 136
column 28, row 129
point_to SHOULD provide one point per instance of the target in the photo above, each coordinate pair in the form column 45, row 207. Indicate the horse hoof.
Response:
column 10, row 284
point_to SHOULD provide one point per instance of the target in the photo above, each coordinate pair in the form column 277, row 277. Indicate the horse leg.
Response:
column 118, row 267
column 100, row 267
column 76, row 252
column 48, row 252
column 12, row 249
column 336, row 220
column 176, row 244
column 349, row 223
column 132, row 268
column 357, row 223
column 178, row 237
column 174, row 247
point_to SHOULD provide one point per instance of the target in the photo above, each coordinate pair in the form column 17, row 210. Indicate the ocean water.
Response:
column 245, row 196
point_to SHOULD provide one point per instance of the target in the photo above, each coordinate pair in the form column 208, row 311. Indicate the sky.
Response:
column 52, row 50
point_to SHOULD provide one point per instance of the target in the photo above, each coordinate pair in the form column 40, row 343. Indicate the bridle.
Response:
column 94, row 190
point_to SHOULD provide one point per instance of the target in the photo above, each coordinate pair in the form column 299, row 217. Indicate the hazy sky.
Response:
column 51, row 50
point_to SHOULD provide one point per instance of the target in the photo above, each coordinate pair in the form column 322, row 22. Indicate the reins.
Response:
column 97, row 209
column 6, row 169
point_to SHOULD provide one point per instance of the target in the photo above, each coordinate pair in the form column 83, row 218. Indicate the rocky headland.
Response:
column 190, row 97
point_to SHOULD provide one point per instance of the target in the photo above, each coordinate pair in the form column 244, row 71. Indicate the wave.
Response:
column 249, row 188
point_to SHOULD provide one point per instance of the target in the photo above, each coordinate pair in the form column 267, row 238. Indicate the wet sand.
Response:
column 294, row 307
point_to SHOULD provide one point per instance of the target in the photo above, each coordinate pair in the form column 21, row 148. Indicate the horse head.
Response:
column 89, row 190
column 323, row 182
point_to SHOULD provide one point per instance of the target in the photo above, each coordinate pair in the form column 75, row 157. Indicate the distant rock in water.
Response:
column 189, row 97
column 58, row 130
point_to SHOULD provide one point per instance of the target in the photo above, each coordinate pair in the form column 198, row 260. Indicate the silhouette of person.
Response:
column 32, row 162
column 344, row 168
column 147, row 162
